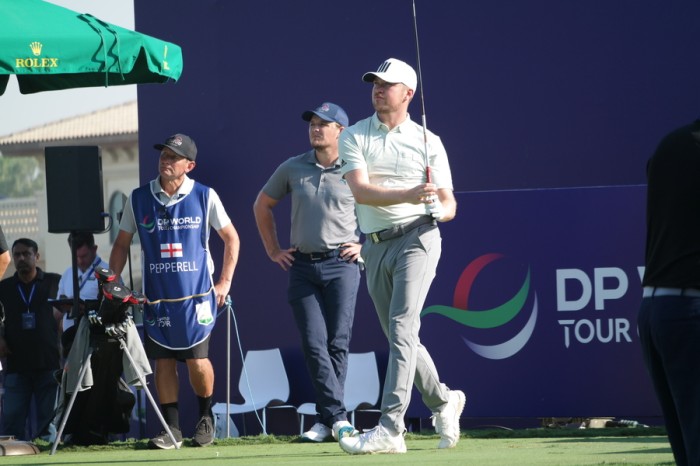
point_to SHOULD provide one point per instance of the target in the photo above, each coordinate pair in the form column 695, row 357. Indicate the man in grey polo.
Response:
column 324, row 275
column 398, row 208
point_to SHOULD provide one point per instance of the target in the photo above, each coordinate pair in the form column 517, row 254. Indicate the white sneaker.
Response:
column 446, row 422
column 377, row 440
column 317, row 433
column 343, row 429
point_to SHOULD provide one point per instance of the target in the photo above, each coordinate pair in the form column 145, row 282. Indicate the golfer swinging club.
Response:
column 384, row 164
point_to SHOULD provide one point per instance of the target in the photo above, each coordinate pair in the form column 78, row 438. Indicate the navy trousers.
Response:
column 20, row 388
column 669, row 330
column 322, row 295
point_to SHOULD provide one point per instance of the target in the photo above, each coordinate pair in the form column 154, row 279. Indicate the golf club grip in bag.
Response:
column 104, row 275
column 120, row 296
column 116, row 300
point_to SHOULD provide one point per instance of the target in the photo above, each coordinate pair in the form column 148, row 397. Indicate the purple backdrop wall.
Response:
column 571, row 347
column 529, row 97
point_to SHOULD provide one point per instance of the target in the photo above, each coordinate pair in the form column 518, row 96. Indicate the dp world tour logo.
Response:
column 488, row 320
column 149, row 226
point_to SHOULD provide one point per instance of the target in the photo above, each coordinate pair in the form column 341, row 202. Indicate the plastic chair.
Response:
column 361, row 387
column 263, row 384
column 305, row 409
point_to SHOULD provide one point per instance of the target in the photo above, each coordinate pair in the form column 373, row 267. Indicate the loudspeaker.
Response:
column 74, row 189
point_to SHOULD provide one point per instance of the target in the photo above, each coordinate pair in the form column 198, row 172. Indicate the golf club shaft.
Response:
column 422, row 98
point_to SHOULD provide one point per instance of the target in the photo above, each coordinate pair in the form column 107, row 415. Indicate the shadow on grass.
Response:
column 649, row 440
column 625, row 440
column 567, row 433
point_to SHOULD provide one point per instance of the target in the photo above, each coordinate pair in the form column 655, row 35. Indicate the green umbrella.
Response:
column 49, row 47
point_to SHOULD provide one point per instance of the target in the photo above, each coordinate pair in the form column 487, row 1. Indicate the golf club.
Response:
column 422, row 98
column 434, row 206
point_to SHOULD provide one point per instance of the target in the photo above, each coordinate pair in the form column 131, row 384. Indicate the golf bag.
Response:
column 106, row 407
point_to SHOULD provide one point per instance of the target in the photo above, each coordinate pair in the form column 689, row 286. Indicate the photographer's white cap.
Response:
column 393, row 71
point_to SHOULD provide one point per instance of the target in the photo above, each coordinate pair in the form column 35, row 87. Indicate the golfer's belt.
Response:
column 400, row 230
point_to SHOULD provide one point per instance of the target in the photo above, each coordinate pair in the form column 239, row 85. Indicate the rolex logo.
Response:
column 31, row 62
column 36, row 48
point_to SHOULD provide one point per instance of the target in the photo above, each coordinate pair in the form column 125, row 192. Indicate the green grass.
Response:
column 484, row 447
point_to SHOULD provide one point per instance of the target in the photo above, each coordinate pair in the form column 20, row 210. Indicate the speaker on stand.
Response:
column 74, row 195
column 74, row 198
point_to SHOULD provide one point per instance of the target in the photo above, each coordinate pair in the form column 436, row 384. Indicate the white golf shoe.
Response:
column 343, row 429
column 317, row 433
column 377, row 440
column 446, row 422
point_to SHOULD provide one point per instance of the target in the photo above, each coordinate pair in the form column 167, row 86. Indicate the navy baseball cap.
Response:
column 181, row 144
column 328, row 111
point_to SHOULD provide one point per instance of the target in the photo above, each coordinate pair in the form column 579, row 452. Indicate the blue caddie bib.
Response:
column 181, row 303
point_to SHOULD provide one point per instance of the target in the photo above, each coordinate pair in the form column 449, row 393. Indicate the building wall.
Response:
column 28, row 217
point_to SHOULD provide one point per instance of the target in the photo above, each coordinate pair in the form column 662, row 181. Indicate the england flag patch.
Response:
column 169, row 250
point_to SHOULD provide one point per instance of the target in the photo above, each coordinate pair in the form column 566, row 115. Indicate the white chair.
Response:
column 263, row 384
column 306, row 409
column 361, row 387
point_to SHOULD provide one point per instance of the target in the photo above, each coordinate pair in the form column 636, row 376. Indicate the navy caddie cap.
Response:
column 181, row 144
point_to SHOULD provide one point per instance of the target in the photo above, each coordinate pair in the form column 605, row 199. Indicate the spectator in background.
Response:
column 4, row 263
column 322, row 261
column 30, row 343
column 669, row 315
column 4, row 254
column 88, row 262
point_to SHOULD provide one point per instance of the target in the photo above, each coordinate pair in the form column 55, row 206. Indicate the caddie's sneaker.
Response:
column 163, row 441
column 317, row 433
column 446, row 422
column 343, row 429
column 377, row 440
column 204, row 432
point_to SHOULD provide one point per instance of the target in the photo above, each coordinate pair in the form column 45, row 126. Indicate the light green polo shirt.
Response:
column 393, row 159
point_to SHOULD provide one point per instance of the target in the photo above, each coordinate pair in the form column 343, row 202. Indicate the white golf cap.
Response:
column 393, row 71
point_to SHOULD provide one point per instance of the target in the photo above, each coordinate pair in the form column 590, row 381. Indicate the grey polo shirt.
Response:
column 323, row 208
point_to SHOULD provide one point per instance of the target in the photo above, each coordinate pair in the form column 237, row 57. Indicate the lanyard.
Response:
column 24, row 297
column 86, row 276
